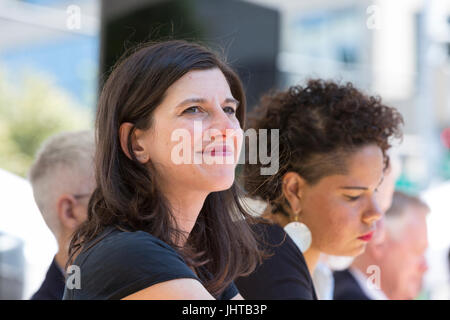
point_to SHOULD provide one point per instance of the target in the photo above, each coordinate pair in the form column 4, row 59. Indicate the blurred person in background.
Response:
column 62, row 178
column 333, row 141
column 393, row 266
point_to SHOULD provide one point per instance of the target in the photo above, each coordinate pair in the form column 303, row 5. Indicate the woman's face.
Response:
column 195, row 138
column 340, row 209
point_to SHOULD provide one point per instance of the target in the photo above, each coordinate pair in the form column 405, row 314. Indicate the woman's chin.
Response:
column 221, row 186
column 348, row 252
column 218, row 177
column 359, row 250
column 220, row 182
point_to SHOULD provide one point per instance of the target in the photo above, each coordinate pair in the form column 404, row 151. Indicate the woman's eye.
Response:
column 353, row 198
column 229, row 110
column 192, row 110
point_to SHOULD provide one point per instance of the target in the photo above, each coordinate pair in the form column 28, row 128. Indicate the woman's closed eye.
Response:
column 352, row 198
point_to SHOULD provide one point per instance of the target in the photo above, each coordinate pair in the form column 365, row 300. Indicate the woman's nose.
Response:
column 222, row 120
column 373, row 212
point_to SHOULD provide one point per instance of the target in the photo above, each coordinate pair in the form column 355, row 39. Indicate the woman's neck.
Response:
column 186, row 207
column 312, row 257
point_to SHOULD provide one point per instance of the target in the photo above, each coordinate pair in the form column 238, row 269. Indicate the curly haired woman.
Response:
column 332, row 155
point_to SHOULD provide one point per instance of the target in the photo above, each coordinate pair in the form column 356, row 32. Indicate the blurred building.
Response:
column 246, row 33
column 57, row 39
column 399, row 50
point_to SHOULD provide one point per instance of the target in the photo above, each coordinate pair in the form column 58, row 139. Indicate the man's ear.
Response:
column 66, row 214
column 293, row 189
column 124, row 131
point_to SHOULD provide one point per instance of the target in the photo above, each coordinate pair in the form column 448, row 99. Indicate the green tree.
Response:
column 30, row 112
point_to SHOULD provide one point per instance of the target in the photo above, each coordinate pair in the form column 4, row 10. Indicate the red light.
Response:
column 445, row 137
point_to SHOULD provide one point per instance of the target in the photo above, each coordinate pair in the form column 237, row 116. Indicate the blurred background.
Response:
column 55, row 55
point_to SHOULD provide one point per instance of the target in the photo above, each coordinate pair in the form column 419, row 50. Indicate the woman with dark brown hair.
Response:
column 332, row 154
column 163, row 222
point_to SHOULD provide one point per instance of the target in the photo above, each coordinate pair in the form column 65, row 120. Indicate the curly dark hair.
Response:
column 319, row 125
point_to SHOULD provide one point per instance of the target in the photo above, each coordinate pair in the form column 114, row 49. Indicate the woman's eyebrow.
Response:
column 190, row 100
column 231, row 100
column 201, row 100
column 362, row 188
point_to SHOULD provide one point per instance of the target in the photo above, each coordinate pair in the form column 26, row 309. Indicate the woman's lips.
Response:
column 225, row 151
column 366, row 237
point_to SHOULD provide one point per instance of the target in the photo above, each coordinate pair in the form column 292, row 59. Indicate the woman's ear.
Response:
column 138, row 150
column 293, row 187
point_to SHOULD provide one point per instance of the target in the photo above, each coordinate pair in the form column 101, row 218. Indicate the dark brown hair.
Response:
column 320, row 125
column 127, row 194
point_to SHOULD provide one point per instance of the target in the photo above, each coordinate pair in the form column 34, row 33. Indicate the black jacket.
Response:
column 346, row 287
column 53, row 286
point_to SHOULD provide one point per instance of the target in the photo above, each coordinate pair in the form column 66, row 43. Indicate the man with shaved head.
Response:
column 62, row 178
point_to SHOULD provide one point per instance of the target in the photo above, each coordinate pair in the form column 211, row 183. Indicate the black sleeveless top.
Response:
column 120, row 263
